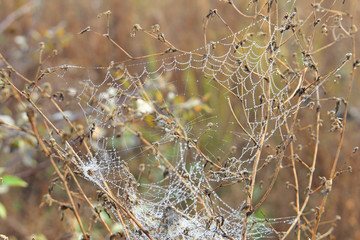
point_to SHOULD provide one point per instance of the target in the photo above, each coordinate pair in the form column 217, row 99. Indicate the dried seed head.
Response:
column 141, row 167
column 348, row 56
column 331, row 114
column 355, row 149
column 210, row 125
column 5, row 94
column 316, row 6
column 261, row 184
column 41, row 45
column 324, row 29
column 52, row 142
column 337, row 77
column 107, row 13
column 211, row 13
column 327, row 186
column 161, row 37
column 353, row 29
column 338, row 18
column 311, row 105
column 233, row 149
column 47, row 89
column 135, row 29
column 79, row 128
column 59, row 96
column 155, row 28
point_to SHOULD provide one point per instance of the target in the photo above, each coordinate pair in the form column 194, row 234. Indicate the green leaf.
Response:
column 13, row 181
column 2, row 170
column 2, row 211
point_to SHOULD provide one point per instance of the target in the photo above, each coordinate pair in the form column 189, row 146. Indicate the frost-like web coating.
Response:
column 135, row 113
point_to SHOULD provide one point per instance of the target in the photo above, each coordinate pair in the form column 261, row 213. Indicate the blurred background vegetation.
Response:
column 27, row 173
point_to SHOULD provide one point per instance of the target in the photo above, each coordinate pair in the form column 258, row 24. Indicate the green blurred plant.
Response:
column 6, row 182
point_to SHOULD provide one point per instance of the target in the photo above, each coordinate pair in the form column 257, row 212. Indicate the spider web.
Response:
column 145, row 152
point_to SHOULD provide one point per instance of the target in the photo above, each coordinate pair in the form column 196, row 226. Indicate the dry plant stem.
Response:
column 179, row 132
column 33, row 104
column 249, row 200
column 156, row 54
column 242, row 102
column 226, row 88
column 117, row 210
column 159, row 153
column 108, row 191
column 167, row 44
column 142, row 57
column 49, row 122
column 18, row 92
column 227, row 26
column 12, row 69
column 337, row 155
column 118, row 46
column 271, row 226
column 17, row 97
column 301, row 78
column 182, row 134
column 316, row 81
column 71, row 125
column 205, row 24
column 238, row 11
column 107, row 36
column 254, row 171
column 41, row 51
column 322, row 236
column 207, row 19
column 16, row 128
column 268, row 190
column 30, row 114
column 111, row 196
column 296, row 180
column 323, row 48
column 88, row 201
column 128, row 213
column 146, row 142
column 110, row 39
column 79, row 186
column 312, row 169
column 131, row 58
column 241, row 126
column 234, row 36
column 295, row 32
column 59, row 133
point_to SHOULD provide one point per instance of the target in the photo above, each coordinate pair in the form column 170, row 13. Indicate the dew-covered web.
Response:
column 146, row 149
